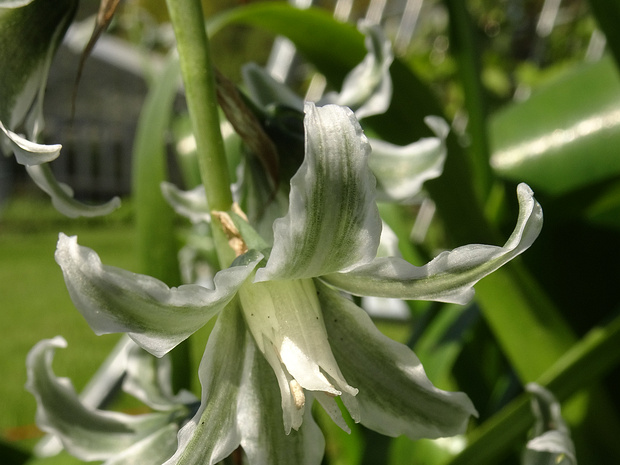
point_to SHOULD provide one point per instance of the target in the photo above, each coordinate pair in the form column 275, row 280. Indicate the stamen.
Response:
column 298, row 394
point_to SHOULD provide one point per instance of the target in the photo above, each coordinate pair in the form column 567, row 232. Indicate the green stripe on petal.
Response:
column 262, row 436
column 451, row 275
column 212, row 434
column 333, row 223
column 155, row 316
column 87, row 433
column 395, row 396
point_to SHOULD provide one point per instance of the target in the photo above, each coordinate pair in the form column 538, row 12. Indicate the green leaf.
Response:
column 584, row 363
column 565, row 135
column 607, row 16
column 467, row 55
column 155, row 239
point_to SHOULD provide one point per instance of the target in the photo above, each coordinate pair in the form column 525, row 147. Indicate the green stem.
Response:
column 465, row 51
column 588, row 360
column 200, row 90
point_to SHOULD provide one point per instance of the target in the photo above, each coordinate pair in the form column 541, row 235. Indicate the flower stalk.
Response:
column 200, row 88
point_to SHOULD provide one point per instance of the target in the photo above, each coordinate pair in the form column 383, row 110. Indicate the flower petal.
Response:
column 30, row 153
column 267, row 91
column 62, row 195
column 395, row 396
column 99, row 388
column 149, row 380
column 552, row 441
column 29, row 37
column 212, row 434
column 401, row 171
column 333, row 223
column 367, row 89
column 155, row 316
column 284, row 318
column 190, row 204
column 87, row 433
column 262, row 437
column 451, row 275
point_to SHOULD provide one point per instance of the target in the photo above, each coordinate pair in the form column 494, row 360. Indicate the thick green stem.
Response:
column 199, row 80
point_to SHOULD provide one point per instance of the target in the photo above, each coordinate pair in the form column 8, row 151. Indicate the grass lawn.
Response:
column 35, row 304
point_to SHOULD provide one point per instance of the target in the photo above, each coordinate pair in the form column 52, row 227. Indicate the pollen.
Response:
column 298, row 394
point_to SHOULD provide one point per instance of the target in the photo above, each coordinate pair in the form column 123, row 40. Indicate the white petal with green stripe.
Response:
column 367, row 89
column 27, row 152
column 152, row 450
column 155, row 316
column 395, row 396
column 62, row 195
column 86, row 432
column 263, row 438
column 191, row 204
column 149, row 379
column 449, row 277
column 401, row 170
column 285, row 320
column 212, row 434
column 333, row 223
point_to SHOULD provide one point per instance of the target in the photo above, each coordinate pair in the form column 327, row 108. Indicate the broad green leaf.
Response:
column 587, row 361
column 155, row 240
column 395, row 396
column 464, row 49
column 564, row 136
column 607, row 16
column 301, row 27
column 156, row 316
column 333, row 223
